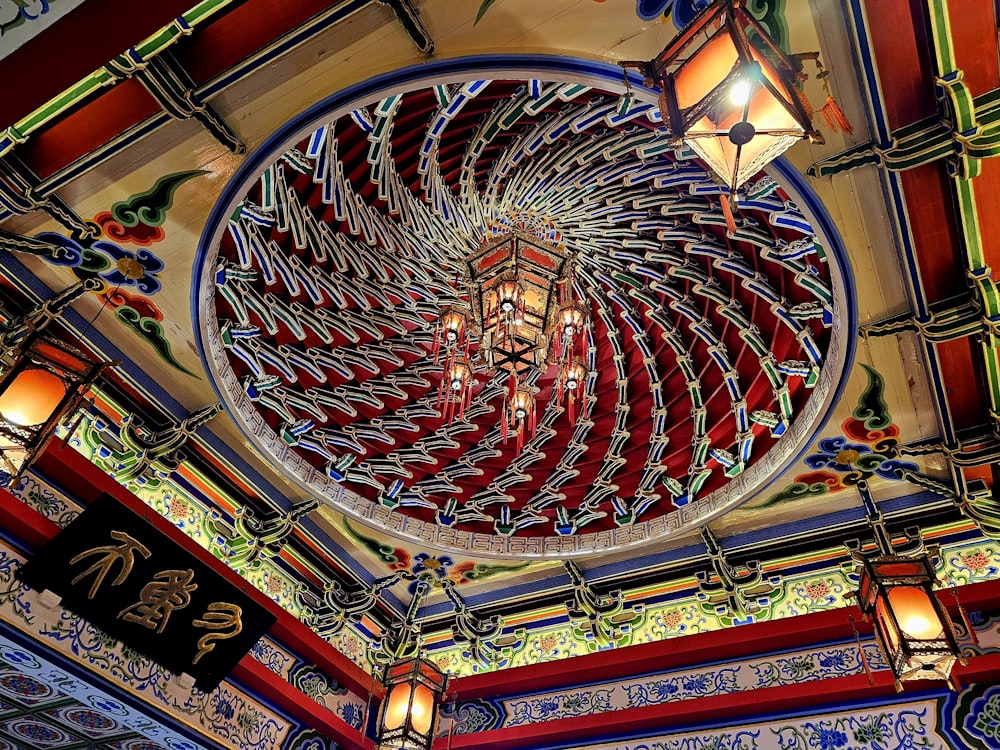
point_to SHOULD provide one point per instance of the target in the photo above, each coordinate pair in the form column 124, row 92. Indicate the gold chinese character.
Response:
column 169, row 590
column 220, row 615
column 123, row 553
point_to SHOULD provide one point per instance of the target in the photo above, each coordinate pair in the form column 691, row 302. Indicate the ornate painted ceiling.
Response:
column 706, row 348
column 303, row 185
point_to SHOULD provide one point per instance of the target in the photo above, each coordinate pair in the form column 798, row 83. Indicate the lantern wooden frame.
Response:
column 409, row 713
column 21, row 444
column 893, row 588
column 725, row 47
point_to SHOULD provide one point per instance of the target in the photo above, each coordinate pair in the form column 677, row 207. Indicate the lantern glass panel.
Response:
column 915, row 612
column 399, row 707
column 32, row 397
column 886, row 625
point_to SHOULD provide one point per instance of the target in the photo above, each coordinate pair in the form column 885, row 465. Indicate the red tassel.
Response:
column 727, row 211
column 864, row 663
column 834, row 116
column 968, row 623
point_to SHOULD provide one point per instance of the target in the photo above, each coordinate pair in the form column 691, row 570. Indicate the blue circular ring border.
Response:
column 463, row 67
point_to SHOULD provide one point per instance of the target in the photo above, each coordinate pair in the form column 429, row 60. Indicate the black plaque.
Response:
column 116, row 570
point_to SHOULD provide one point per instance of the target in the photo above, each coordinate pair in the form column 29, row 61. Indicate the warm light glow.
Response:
column 398, row 706
column 459, row 374
column 453, row 324
column 32, row 398
column 572, row 318
column 522, row 402
column 915, row 612
column 509, row 293
column 747, row 88
column 739, row 92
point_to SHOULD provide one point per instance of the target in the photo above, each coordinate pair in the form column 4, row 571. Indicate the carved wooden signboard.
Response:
column 116, row 570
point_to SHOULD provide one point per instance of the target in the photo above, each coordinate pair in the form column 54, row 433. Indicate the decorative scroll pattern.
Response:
column 45, row 706
column 708, row 354
column 795, row 594
column 909, row 726
column 781, row 669
column 126, row 278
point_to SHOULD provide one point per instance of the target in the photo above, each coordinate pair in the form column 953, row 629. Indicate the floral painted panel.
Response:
column 779, row 669
column 910, row 726
column 43, row 691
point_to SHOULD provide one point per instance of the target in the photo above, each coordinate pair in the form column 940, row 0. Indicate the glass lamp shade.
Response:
column 459, row 375
column 730, row 94
column 31, row 397
column 522, row 402
column 43, row 380
column 509, row 293
column 409, row 712
column 453, row 324
column 572, row 318
column 911, row 625
column 575, row 374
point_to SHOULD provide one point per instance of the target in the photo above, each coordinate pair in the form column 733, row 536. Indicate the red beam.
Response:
column 300, row 706
column 74, row 47
column 84, row 482
column 24, row 523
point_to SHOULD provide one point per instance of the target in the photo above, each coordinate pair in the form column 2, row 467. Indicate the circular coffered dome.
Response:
column 705, row 358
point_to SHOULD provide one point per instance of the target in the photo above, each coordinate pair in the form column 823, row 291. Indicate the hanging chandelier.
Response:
column 523, row 309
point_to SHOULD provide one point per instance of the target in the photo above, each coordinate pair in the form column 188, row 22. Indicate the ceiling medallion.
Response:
column 502, row 316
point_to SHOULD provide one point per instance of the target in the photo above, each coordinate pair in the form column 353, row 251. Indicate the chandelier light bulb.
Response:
column 739, row 92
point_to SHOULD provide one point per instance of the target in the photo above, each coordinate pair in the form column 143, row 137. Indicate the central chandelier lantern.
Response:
column 523, row 309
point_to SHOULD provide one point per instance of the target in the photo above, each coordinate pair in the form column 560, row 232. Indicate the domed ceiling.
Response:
column 711, row 354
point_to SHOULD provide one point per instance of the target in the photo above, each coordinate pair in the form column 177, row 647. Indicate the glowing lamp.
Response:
column 912, row 627
column 522, row 403
column 509, row 295
column 574, row 376
column 453, row 325
column 408, row 717
column 43, row 380
column 572, row 319
column 730, row 94
column 459, row 375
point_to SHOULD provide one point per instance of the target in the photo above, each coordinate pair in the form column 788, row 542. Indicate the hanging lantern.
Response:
column 913, row 628
column 571, row 383
column 408, row 718
column 508, row 305
column 572, row 319
column 730, row 94
column 43, row 381
column 519, row 416
column 450, row 333
column 455, row 391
